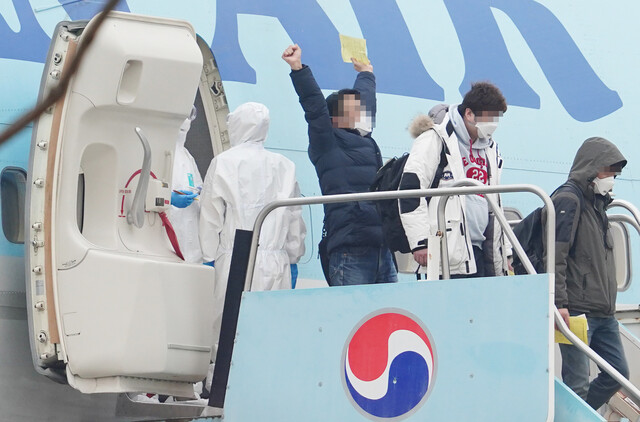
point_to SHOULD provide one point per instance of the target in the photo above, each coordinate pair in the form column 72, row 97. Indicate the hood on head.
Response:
column 593, row 155
column 248, row 123
column 438, row 112
column 419, row 125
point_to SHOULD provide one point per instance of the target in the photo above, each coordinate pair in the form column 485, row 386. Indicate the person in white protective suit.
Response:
column 238, row 184
column 186, row 183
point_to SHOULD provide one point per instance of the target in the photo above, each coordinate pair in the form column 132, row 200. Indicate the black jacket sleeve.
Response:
column 365, row 84
column 316, row 113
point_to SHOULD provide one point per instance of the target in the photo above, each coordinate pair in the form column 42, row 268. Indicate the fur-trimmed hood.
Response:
column 420, row 124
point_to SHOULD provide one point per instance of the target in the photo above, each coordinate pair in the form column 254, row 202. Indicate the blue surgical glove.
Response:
column 294, row 275
column 211, row 264
column 182, row 200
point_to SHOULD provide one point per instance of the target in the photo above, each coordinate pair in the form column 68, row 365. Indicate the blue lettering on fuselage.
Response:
column 579, row 89
column 31, row 43
column 400, row 71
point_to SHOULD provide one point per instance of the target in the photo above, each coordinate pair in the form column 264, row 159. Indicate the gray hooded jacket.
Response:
column 585, row 272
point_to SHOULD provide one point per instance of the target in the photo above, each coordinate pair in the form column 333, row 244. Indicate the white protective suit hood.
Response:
column 186, row 176
column 248, row 123
column 238, row 184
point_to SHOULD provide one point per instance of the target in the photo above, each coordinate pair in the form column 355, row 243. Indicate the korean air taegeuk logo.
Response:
column 388, row 365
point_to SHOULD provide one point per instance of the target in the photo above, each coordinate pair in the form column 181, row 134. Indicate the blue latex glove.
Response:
column 211, row 264
column 294, row 275
column 182, row 200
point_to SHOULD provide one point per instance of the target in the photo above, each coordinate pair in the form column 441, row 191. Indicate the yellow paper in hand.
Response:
column 353, row 47
column 578, row 325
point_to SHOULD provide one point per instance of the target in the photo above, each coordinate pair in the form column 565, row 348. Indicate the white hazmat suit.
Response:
column 186, row 177
column 238, row 184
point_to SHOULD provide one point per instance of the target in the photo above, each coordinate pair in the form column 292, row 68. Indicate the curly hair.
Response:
column 483, row 96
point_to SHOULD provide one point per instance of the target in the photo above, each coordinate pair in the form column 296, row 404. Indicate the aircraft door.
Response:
column 113, row 308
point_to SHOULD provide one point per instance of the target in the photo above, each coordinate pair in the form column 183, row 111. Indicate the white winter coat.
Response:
column 238, row 184
column 186, row 177
column 422, row 221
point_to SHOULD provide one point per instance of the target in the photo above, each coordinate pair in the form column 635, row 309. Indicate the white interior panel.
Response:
column 126, row 306
column 136, row 316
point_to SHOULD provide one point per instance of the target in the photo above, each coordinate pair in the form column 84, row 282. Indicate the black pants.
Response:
column 480, row 265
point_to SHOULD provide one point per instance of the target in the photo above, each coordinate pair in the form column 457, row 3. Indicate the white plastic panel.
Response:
column 131, row 316
column 124, row 315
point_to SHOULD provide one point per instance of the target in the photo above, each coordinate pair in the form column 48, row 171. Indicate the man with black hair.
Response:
column 585, row 273
column 346, row 159
column 476, row 242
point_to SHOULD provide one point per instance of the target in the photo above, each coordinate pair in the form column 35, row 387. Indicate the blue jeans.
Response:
column 604, row 339
column 361, row 265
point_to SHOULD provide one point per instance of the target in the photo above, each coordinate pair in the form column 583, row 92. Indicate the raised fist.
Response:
column 292, row 55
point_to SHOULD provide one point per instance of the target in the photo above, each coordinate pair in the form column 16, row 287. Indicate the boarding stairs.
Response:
column 300, row 385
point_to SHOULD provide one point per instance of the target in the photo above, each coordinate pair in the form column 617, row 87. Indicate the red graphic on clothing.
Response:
column 478, row 174
column 475, row 165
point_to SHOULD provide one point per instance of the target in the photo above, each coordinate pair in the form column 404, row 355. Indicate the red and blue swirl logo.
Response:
column 389, row 365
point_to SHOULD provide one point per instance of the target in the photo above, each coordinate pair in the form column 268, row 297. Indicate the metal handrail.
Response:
column 626, row 205
column 621, row 218
column 551, row 223
column 465, row 190
column 414, row 193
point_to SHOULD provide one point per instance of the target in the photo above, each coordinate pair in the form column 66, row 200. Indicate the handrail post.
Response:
column 444, row 254
column 626, row 205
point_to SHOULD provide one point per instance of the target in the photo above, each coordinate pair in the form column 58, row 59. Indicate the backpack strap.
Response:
column 570, row 185
column 449, row 128
column 440, row 170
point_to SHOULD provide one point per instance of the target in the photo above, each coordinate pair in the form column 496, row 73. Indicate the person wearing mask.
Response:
column 585, row 273
column 186, row 183
column 460, row 146
column 238, row 184
column 346, row 159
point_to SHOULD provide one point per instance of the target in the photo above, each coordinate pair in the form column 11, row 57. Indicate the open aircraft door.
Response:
column 112, row 307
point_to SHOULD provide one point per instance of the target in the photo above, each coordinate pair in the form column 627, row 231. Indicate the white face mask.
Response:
column 363, row 126
column 486, row 129
column 603, row 186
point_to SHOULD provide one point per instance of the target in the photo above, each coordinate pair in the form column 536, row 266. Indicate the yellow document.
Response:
column 353, row 47
column 579, row 327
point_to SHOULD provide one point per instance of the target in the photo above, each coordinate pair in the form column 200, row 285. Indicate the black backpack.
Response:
column 529, row 234
column 388, row 179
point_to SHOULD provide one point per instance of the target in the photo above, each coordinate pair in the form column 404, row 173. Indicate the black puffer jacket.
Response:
column 345, row 162
column 585, row 271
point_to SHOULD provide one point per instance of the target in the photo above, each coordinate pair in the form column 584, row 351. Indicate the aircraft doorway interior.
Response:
column 100, row 178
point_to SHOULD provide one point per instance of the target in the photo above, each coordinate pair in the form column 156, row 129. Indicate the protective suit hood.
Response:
column 248, row 123
column 594, row 154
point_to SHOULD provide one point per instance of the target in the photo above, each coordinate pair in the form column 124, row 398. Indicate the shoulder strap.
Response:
column 440, row 170
column 571, row 185
column 449, row 128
